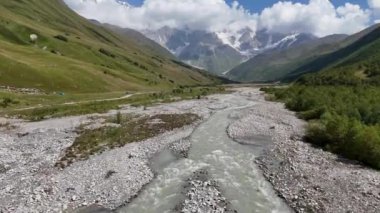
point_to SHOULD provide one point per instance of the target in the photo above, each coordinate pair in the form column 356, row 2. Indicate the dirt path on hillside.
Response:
column 81, row 102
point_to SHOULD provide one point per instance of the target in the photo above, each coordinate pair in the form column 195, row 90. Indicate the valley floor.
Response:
column 309, row 179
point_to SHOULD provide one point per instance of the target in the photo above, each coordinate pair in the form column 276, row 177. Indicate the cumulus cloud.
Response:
column 319, row 17
column 212, row 15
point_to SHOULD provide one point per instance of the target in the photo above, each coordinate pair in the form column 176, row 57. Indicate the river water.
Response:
column 231, row 164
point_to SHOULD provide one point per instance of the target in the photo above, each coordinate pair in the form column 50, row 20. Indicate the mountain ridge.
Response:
column 356, row 64
column 343, row 56
column 275, row 64
column 219, row 52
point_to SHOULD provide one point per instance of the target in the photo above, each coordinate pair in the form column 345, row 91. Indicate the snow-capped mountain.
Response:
column 198, row 48
column 219, row 52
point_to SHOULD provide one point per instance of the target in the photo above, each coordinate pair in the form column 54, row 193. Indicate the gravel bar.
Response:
column 203, row 194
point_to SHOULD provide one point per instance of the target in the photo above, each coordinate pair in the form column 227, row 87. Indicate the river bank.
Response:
column 308, row 178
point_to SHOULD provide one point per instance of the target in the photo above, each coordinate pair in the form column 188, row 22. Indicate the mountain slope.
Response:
column 74, row 55
column 139, row 39
column 198, row 48
column 359, row 61
column 277, row 63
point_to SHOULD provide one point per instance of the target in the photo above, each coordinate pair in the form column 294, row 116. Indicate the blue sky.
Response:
column 259, row 5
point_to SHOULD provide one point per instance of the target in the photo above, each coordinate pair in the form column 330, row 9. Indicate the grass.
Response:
column 363, row 53
column 130, row 129
column 33, row 100
column 57, row 108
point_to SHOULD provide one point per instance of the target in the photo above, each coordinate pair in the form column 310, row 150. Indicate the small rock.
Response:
column 74, row 198
column 3, row 168
column 8, row 189
column 22, row 134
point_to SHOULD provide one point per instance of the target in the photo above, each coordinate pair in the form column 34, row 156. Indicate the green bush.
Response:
column 119, row 118
column 107, row 53
column 343, row 119
column 6, row 102
column 62, row 38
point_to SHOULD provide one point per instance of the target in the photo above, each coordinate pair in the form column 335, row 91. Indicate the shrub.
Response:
column 6, row 102
column 62, row 38
column 107, row 53
column 177, row 91
column 315, row 134
column 313, row 113
column 343, row 119
column 119, row 118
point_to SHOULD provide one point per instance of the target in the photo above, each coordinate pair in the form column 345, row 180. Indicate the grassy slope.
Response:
column 274, row 65
column 349, row 62
column 138, row 38
column 79, row 66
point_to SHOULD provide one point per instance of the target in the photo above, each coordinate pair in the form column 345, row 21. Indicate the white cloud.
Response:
column 212, row 15
column 319, row 17
column 374, row 3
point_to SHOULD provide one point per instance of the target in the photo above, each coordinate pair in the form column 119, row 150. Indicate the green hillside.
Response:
column 358, row 62
column 75, row 55
column 274, row 65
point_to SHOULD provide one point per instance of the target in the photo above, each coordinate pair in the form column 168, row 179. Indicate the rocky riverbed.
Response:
column 308, row 178
column 29, row 151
